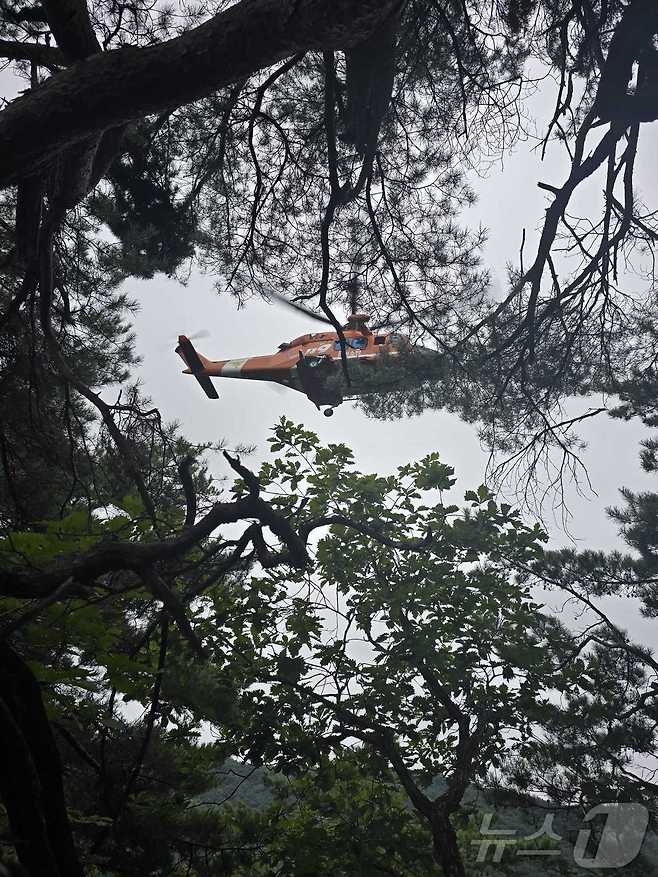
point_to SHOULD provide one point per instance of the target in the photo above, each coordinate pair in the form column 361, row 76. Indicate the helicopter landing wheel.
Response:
column 328, row 412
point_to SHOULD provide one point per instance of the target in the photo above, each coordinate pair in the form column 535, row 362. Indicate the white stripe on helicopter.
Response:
column 233, row 368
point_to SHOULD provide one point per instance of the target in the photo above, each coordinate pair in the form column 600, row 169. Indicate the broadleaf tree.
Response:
column 422, row 649
column 400, row 629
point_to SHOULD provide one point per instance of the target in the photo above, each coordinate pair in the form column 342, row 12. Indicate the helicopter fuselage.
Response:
column 306, row 363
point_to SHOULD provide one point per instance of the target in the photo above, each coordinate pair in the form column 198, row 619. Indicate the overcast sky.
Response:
column 508, row 201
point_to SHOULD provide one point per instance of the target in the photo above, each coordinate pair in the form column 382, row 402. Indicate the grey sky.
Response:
column 508, row 201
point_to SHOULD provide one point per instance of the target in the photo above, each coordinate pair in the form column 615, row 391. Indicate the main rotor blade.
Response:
column 301, row 308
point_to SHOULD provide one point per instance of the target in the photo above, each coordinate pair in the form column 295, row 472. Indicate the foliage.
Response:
column 361, row 632
column 156, row 230
column 407, row 633
column 422, row 648
column 342, row 819
column 92, row 656
column 601, row 739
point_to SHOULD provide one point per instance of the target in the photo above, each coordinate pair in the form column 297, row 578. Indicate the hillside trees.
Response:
column 350, row 816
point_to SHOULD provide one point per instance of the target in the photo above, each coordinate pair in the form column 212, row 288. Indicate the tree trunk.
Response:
column 632, row 41
column 21, row 794
column 71, row 26
column 113, row 88
column 31, row 774
column 444, row 846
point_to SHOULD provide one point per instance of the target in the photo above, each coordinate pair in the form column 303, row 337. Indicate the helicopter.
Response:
column 312, row 363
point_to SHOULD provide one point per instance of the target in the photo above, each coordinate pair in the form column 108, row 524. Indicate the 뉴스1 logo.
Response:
column 620, row 842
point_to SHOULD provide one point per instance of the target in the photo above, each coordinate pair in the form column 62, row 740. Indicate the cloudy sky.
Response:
column 508, row 201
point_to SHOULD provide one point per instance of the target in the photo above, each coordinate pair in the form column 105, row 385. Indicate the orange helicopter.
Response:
column 311, row 364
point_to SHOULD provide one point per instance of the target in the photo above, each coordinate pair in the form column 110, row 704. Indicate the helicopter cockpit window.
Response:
column 355, row 343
